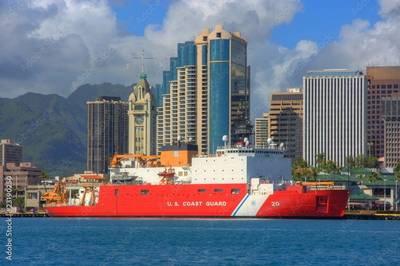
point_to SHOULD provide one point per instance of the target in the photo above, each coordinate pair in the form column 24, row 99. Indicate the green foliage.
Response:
column 396, row 171
column 19, row 203
column 301, row 171
column 44, row 176
column 374, row 176
column 350, row 162
column 362, row 161
column 300, row 162
column 326, row 166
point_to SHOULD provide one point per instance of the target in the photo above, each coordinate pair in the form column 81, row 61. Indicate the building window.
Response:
column 218, row 190
column 218, row 34
column 202, row 190
column 32, row 195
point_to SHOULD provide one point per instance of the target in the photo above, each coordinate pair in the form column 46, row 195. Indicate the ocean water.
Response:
column 57, row 241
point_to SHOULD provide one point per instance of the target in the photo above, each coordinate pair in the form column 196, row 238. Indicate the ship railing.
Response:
column 53, row 204
column 326, row 187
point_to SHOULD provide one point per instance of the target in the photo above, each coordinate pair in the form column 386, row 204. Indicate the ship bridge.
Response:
column 238, row 164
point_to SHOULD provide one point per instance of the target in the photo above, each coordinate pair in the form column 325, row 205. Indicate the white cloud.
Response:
column 66, row 43
column 55, row 45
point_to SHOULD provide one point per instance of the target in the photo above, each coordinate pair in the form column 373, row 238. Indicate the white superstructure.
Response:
column 229, row 165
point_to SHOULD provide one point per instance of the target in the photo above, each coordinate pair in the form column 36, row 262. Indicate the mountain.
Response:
column 90, row 92
column 51, row 128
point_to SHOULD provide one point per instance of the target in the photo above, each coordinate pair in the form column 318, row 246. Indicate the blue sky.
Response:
column 317, row 20
column 135, row 15
column 322, row 18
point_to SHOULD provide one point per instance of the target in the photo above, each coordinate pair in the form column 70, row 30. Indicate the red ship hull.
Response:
column 207, row 200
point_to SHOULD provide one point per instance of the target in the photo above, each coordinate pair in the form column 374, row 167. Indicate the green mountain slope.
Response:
column 52, row 128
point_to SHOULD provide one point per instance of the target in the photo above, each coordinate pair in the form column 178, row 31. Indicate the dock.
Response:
column 372, row 215
column 353, row 215
column 24, row 214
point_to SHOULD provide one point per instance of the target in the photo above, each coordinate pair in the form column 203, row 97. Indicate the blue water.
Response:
column 52, row 241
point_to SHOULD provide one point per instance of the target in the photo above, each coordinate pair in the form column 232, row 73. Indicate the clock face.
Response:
column 139, row 120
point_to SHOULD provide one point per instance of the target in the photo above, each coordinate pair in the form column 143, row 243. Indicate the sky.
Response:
column 54, row 46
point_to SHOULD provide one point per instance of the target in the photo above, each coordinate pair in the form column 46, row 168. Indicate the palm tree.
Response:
column 320, row 158
column 396, row 172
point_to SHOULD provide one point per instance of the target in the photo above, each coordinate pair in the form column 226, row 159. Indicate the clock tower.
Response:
column 141, row 119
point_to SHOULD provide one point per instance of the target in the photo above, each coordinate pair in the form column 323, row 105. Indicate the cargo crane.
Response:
column 58, row 195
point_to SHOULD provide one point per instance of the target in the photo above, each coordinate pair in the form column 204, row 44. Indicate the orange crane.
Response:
column 58, row 195
column 153, row 160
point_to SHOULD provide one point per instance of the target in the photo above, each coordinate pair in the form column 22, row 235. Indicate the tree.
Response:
column 371, row 162
column 396, row 172
column 350, row 162
column 44, row 176
column 330, row 167
column 301, row 171
column 374, row 176
column 300, row 162
column 19, row 203
column 320, row 158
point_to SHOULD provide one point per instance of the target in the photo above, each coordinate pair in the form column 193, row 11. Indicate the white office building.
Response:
column 334, row 115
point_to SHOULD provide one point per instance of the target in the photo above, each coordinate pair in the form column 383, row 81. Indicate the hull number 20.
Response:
column 275, row 203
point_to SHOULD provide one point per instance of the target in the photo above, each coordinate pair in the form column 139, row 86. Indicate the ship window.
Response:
column 202, row 190
column 235, row 191
column 144, row 192
column 218, row 190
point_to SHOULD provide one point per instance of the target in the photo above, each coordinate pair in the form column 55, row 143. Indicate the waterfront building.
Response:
column 391, row 121
column 10, row 152
column 34, row 193
column 207, row 92
column 142, row 119
column 286, row 120
column 107, row 131
column 22, row 174
column 335, row 115
column 383, row 81
column 261, row 131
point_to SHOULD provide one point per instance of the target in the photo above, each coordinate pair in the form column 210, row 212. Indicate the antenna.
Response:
column 225, row 140
column 142, row 58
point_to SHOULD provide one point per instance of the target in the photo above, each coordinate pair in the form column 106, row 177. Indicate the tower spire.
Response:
column 142, row 58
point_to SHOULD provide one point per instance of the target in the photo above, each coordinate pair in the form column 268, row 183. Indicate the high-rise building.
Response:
column 208, row 93
column 261, row 131
column 391, row 118
column 10, row 152
column 201, row 42
column 286, row 120
column 107, row 131
column 335, row 115
column 142, row 123
column 176, row 119
column 383, row 81
column 228, row 91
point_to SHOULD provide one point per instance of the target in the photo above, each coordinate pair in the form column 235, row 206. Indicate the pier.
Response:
column 372, row 215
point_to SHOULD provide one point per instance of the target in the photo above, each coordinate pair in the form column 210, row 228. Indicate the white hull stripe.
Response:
column 240, row 204
column 251, row 205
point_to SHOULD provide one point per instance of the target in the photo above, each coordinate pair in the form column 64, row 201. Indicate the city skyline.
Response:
column 278, row 52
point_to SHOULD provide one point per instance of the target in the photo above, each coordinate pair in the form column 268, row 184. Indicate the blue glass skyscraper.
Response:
column 207, row 92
